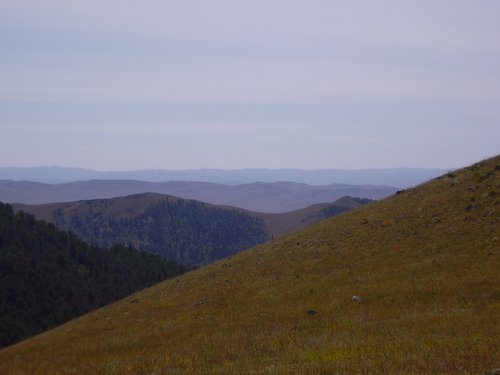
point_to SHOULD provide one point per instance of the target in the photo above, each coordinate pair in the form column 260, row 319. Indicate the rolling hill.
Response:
column 261, row 197
column 187, row 231
column 424, row 264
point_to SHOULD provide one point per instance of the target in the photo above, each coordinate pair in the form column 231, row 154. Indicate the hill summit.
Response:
column 423, row 265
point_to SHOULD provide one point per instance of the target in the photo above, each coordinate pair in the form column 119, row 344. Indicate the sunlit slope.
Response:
column 289, row 222
column 425, row 262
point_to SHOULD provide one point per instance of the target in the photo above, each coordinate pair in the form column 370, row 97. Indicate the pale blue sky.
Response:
column 116, row 84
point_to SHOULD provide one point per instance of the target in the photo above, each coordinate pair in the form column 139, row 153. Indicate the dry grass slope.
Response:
column 285, row 223
column 425, row 263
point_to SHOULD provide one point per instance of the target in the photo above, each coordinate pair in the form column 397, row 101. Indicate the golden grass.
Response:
column 425, row 263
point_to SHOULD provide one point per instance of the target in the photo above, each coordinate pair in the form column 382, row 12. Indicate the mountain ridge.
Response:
column 261, row 197
column 400, row 177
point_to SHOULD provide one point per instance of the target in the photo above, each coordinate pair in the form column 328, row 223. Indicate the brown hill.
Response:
column 130, row 206
column 424, row 264
column 288, row 222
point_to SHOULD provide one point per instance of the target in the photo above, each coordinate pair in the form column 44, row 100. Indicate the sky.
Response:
column 122, row 85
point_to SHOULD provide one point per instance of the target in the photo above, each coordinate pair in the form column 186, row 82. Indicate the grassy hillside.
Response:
column 48, row 277
column 288, row 222
column 424, row 262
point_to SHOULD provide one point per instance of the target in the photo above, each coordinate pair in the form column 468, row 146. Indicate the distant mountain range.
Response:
column 399, row 177
column 275, row 197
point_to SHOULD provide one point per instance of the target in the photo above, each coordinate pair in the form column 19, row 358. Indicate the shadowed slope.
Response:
column 48, row 277
column 425, row 263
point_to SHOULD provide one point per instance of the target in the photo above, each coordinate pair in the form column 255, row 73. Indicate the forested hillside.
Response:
column 188, row 232
column 48, row 276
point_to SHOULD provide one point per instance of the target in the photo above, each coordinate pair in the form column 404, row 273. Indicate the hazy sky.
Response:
column 116, row 84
